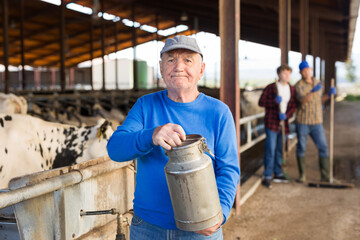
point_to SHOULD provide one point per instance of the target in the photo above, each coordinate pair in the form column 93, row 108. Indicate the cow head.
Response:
column 101, row 131
column 96, row 141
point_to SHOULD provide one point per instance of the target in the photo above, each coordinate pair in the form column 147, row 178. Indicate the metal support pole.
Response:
column 157, row 56
column 315, row 42
column 134, row 43
column 229, row 28
column 91, row 51
column 22, row 45
column 304, row 28
column 116, row 59
column 329, row 72
column 6, row 44
column 284, row 29
column 62, row 46
column 103, row 44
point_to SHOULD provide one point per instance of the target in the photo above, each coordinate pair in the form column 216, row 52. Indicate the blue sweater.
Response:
column 206, row 116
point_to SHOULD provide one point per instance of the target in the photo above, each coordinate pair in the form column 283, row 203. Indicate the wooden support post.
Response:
column 229, row 28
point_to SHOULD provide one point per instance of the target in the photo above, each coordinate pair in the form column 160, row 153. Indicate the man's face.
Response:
column 306, row 72
column 284, row 76
column 181, row 69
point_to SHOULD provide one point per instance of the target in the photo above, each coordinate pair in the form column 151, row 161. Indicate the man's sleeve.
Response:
column 300, row 92
column 227, row 170
column 131, row 140
column 266, row 100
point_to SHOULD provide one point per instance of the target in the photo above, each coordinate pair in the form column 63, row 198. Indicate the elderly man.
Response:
column 161, row 121
column 309, row 119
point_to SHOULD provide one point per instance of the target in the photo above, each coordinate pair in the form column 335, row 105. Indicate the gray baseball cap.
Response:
column 181, row 42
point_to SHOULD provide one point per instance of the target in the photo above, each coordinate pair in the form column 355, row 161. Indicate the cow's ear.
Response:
column 102, row 129
column 98, row 133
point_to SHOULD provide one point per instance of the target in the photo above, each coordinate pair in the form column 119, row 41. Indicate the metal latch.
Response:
column 120, row 220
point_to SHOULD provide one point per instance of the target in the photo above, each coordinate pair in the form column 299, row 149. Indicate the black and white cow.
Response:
column 29, row 144
column 10, row 103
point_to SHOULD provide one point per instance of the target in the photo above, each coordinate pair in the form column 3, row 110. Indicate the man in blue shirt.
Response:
column 161, row 121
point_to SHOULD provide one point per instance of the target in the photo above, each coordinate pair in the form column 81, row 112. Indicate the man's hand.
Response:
column 332, row 91
column 282, row 116
column 316, row 88
column 168, row 135
column 278, row 99
column 209, row 231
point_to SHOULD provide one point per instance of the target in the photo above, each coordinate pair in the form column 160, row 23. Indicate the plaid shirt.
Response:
column 267, row 100
column 310, row 112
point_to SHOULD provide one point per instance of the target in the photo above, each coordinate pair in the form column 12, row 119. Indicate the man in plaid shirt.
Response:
column 279, row 100
column 309, row 119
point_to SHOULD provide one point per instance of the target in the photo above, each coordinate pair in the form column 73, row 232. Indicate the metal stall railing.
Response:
column 48, row 205
column 250, row 141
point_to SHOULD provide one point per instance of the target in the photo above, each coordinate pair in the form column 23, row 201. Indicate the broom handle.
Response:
column 331, row 150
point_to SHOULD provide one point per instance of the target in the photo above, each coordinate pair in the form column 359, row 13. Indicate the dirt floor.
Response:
column 295, row 211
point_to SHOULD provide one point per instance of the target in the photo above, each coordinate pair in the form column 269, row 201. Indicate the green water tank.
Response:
column 142, row 74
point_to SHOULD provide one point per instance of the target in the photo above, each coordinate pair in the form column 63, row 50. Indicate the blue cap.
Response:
column 303, row 64
column 181, row 41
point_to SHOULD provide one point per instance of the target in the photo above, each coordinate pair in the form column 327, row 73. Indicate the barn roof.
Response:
column 259, row 23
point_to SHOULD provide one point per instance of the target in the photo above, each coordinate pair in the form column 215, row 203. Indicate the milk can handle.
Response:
column 204, row 147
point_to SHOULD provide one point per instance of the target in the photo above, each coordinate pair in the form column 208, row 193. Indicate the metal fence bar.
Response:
column 248, row 145
column 52, row 184
column 252, row 117
column 251, row 142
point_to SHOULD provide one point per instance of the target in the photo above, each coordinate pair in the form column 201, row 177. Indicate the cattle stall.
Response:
column 61, row 203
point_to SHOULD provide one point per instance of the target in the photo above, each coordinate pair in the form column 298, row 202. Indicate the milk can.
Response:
column 192, row 186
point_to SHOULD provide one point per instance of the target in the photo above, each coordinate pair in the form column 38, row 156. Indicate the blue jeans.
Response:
column 273, row 154
column 317, row 135
column 142, row 230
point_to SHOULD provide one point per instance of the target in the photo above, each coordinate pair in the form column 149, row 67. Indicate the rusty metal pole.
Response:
column 22, row 45
column 116, row 59
column 103, row 44
column 229, row 29
column 315, row 42
column 329, row 72
column 157, row 56
column 284, row 29
column 134, row 43
column 322, row 72
column 91, row 51
column 62, row 46
column 5, row 15
column 304, row 28
column 322, row 52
